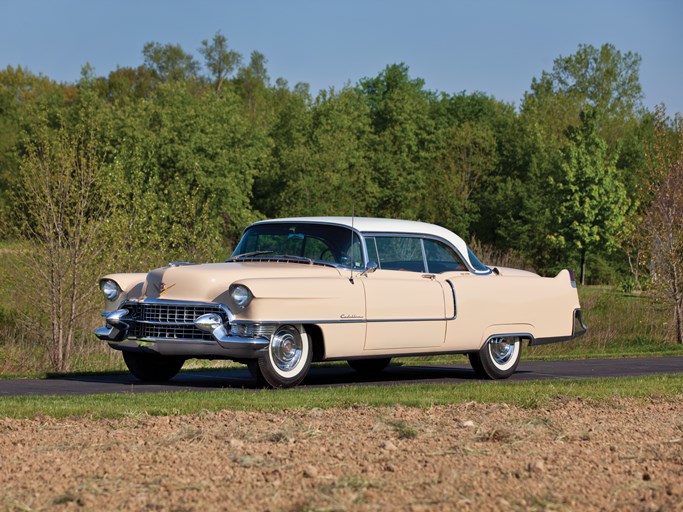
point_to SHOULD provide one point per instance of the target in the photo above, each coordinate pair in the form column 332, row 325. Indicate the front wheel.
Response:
column 286, row 361
column 498, row 358
column 152, row 367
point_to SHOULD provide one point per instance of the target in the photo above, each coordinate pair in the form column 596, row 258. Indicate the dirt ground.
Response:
column 571, row 455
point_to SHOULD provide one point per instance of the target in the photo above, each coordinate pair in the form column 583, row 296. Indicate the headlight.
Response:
column 110, row 289
column 241, row 295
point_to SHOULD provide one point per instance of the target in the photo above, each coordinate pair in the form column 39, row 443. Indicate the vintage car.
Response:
column 364, row 290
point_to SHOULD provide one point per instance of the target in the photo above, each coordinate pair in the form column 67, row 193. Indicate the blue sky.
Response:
column 492, row 46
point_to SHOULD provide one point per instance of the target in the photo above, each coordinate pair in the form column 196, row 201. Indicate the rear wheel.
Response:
column 369, row 366
column 287, row 360
column 152, row 367
column 498, row 358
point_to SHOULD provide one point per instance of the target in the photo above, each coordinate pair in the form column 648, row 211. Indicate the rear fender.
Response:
column 525, row 331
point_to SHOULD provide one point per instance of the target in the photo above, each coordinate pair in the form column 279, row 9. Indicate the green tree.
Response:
column 605, row 78
column 170, row 62
column 288, row 134
column 664, row 220
column 253, row 81
column 402, row 140
column 127, row 84
column 465, row 155
column 198, row 145
column 591, row 201
column 63, row 209
column 219, row 59
column 21, row 92
column 327, row 170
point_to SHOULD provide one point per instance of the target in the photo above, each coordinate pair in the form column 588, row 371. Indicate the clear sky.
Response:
column 493, row 46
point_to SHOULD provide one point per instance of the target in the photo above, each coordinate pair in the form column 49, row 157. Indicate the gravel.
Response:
column 569, row 455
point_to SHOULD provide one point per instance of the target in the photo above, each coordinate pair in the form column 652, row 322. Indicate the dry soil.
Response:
column 570, row 455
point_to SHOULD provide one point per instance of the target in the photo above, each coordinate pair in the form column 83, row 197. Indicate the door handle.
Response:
column 429, row 276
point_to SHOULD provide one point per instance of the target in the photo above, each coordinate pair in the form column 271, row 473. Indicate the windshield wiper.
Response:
column 294, row 258
column 248, row 255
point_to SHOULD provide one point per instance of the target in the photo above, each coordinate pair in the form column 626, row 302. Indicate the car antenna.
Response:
column 353, row 215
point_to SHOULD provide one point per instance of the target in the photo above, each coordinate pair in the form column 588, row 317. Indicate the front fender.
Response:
column 131, row 285
column 302, row 299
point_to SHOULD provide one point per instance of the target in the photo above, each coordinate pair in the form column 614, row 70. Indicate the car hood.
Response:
column 209, row 282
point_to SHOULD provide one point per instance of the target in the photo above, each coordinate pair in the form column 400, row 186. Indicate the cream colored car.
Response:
column 365, row 290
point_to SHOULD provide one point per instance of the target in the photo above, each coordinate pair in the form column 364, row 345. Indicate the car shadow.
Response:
column 318, row 376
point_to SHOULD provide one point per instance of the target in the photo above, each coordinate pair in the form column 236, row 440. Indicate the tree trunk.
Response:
column 679, row 322
column 583, row 267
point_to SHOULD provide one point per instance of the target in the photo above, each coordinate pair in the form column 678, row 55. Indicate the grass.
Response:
column 618, row 324
column 525, row 394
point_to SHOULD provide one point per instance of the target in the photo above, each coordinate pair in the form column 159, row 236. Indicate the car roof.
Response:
column 378, row 225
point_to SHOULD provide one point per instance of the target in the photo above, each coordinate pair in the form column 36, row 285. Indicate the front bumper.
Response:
column 170, row 327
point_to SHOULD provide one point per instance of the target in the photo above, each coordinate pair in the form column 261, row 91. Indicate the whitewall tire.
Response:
column 498, row 358
column 287, row 359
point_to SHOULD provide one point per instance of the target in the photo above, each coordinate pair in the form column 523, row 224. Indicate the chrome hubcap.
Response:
column 502, row 350
column 286, row 348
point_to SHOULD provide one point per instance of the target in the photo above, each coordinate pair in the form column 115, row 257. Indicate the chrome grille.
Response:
column 169, row 321
column 169, row 313
column 170, row 332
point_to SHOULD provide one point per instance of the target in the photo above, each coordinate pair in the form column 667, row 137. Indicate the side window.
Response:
column 441, row 258
column 400, row 253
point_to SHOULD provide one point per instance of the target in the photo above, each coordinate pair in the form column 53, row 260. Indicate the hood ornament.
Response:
column 163, row 287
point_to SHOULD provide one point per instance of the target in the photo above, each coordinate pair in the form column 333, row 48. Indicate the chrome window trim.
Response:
column 365, row 244
column 362, row 236
column 424, row 255
column 471, row 269
column 364, row 252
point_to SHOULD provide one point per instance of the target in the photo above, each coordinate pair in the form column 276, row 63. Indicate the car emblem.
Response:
column 163, row 287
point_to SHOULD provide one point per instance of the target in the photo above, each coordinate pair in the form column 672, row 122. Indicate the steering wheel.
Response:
column 324, row 252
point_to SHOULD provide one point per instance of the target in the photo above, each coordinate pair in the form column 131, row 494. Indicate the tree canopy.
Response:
column 197, row 149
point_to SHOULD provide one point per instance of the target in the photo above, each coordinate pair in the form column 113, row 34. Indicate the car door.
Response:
column 405, row 305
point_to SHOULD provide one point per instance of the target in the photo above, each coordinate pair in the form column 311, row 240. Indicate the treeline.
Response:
column 187, row 153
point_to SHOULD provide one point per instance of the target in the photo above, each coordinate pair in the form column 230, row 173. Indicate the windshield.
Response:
column 322, row 243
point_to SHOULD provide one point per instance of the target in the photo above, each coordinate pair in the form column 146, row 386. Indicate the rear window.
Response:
column 476, row 264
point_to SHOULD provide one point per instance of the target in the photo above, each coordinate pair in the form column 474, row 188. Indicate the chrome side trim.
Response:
column 349, row 321
column 455, row 302
column 521, row 335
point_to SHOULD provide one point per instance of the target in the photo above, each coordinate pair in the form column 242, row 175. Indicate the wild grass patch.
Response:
column 532, row 394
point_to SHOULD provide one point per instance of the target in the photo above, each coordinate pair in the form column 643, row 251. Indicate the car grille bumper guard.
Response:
column 169, row 321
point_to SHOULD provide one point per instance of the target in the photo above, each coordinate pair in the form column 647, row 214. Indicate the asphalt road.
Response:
column 208, row 380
